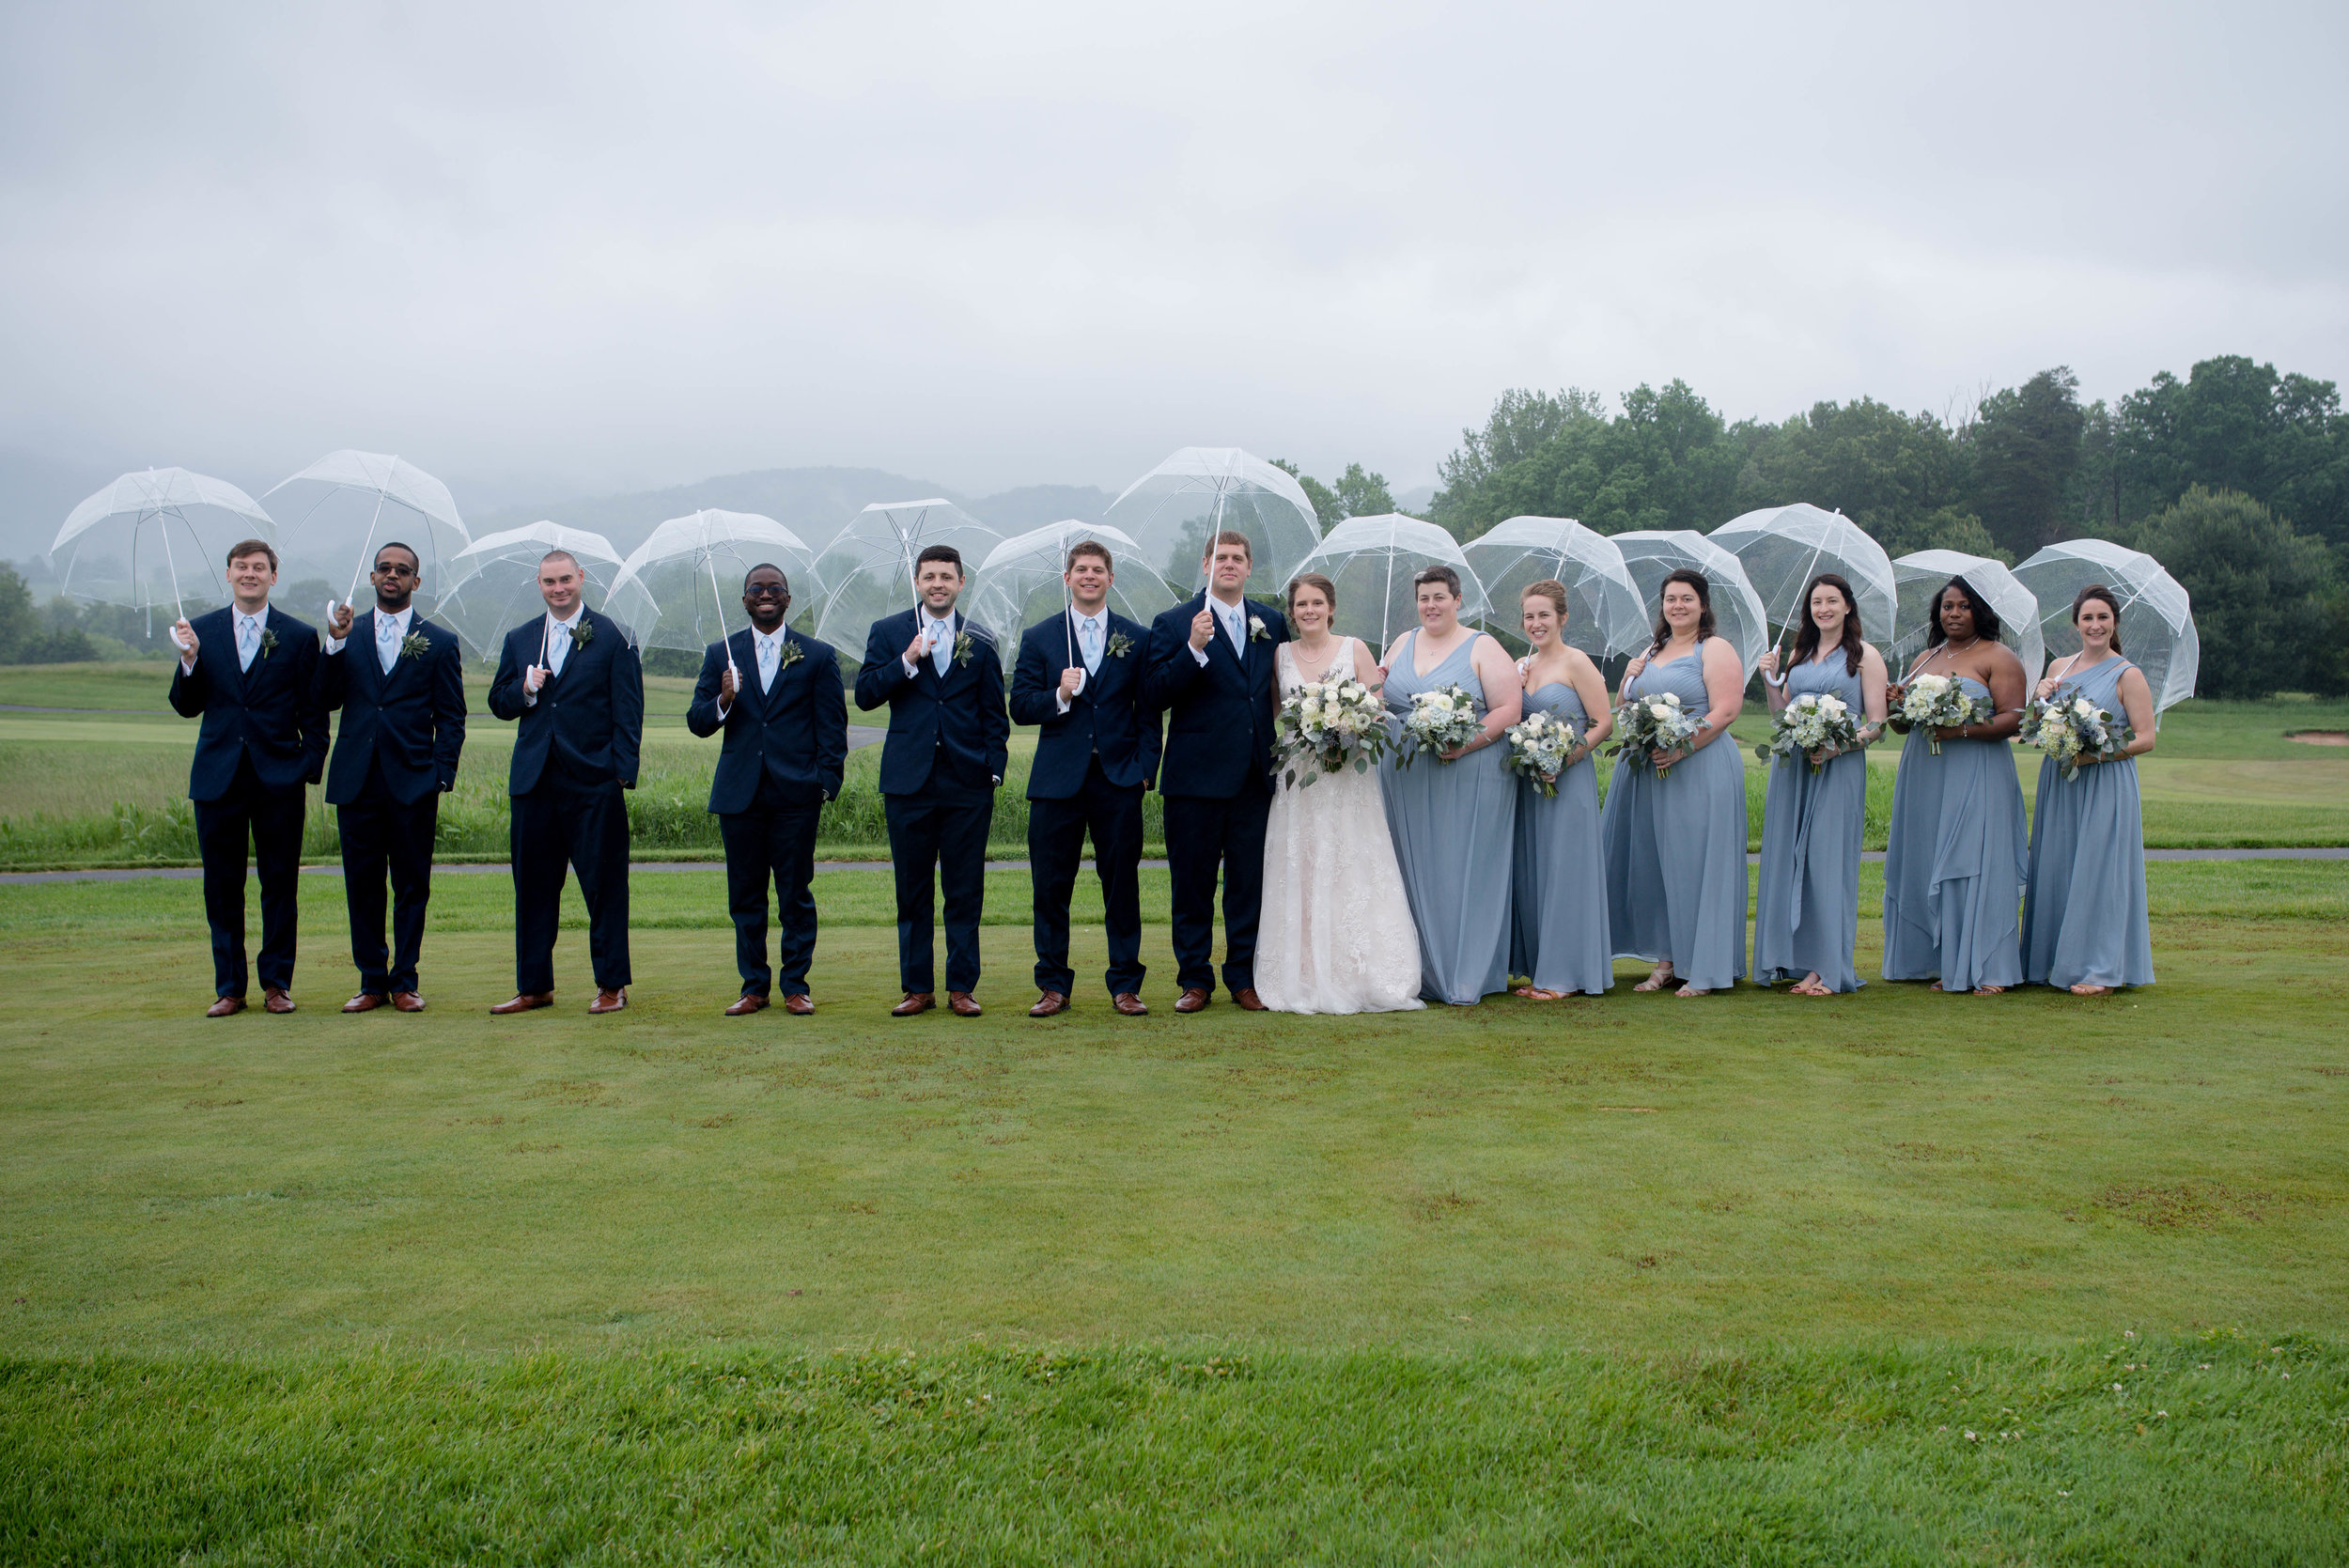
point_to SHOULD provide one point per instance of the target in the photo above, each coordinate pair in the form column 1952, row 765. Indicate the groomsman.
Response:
column 777, row 696
column 947, row 746
column 1080, row 677
column 1211, row 669
column 248, row 670
column 578, row 689
column 402, row 696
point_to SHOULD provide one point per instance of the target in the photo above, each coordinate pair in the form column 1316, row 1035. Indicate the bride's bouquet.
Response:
column 1932, row 703
column 1646, row 727
column 1325, row 725
column 1441, row 719
column 1810, row 724
column 2067, row 726
column 1539, row 744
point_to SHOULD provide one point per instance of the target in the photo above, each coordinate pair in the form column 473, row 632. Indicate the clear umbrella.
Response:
column 1652, row 554
column 494, row 583
column 1784, row 548
column 1920, row 579
column 2156, row 617
column 1171, row 511
column 345, row 504
column 157, row 536
column 675, row 589
column 1605, row 614
column 867, row 569
column 1372, row 560
column 1023, row 580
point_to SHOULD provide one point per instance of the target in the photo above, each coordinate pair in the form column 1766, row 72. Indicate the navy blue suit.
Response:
column 1216, row 779
column 575, row 752
column 394, row 756
column 949, row 740
column 1092, row 766
column 782, row 758
column 262, row 740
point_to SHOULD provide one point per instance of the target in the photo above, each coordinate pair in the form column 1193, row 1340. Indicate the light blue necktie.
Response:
column 1089, row 638
column 248, row 640
column 387, row 641
column 941, row 646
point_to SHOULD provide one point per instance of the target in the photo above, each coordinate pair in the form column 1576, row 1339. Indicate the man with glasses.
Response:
column 401, row 693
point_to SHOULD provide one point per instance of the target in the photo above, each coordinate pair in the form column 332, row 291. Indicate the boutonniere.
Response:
column 789, row 655
column 582, row 634
column 1256, row 633
column 964, row 648
column 414, row 646
column 1120, row 645
column 269, row 642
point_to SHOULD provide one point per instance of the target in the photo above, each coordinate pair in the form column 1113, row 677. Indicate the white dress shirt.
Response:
column 558, row 646
column 768, row 650
column 246, row 631
column 1233, row 619
column 942, row 636
column 390, row 631
column 1092, row 634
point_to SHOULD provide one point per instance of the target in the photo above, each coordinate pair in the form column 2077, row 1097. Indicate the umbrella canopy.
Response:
column 1019, row 583
column 156, row 537
column 2157, row 618
column 1605, row 614
column 1371, row 559
column 678, row 584
column 1920, row 579
column 1171, row 511
column 1652, row 554
column 342, row 507
column 1784, row 548
column 494, row 582
column 868, row 570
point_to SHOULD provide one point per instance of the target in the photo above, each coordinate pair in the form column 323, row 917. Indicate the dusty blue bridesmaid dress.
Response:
column 1454, row 825
column 1676, row 847
column 1954, row 863
column 1559, row 927
column 2084, row 919
column 1806, row 904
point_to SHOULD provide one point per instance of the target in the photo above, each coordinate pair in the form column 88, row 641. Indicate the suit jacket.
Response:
column 961, row 712
column 270, row 713
column 592, row 715
column 410, row 723
column 1220, row 716
column 796, row 732
column 1108, row 718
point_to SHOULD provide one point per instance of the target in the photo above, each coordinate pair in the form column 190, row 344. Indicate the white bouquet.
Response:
column 2067, row 726
column 1646, row 727
column 1539, row 744
column 1939, row 702
column 1325, row 725
column 1439, row 721
column 1807, row 725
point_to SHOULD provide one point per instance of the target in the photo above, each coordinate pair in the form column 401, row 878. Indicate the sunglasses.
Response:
column 765, row 590
column 393, row 569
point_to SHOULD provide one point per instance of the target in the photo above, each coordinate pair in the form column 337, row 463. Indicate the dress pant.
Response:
column 381, row 836
column 774, row 840
column 568, row 820
column 1200, row 835
column 940, row 834
column 1056, row 835
column 270, row 821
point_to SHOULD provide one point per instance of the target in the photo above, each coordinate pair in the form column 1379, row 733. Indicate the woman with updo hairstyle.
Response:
column 1559, row 938
column 2084, row 917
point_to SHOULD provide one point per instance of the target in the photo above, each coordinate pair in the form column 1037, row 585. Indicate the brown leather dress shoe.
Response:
column 1249, row 1000
column 407, row 1002
column 799, row 1003
column 1050, row 1003
column 223, row 1007
column 747, row 1003
column 365, row 1002
column 1130, row 1005
column 275, row 1000
column 915, row 1001
column 609, row 1002
column 963, row 1004
column 524, row 1001
column 1194, row 998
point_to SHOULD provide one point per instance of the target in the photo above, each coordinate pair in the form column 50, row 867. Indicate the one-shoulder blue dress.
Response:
column 1806, row 903
column 1454, row 824
column 1954, row 863
column 1676, row 847
column 1559, row 933
column 2084, row 917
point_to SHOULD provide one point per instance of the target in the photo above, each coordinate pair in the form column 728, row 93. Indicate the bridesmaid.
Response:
column 1677, row 843
column 1454, row 820
column 2084, row 923
column 1559, row 936
column 1954, row 862
column 1806, row 908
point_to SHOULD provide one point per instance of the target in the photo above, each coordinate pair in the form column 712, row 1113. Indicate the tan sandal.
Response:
column 1535, row 993
column 2085, row 990
column 1658, row 978
column 1989, row 990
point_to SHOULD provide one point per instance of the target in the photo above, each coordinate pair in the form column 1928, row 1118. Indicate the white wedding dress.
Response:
column 1334, row 934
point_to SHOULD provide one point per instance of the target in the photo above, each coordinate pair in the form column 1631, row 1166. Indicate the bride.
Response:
column 1337, row 932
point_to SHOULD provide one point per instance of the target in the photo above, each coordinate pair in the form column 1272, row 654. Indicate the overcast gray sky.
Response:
column 1028, row 243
